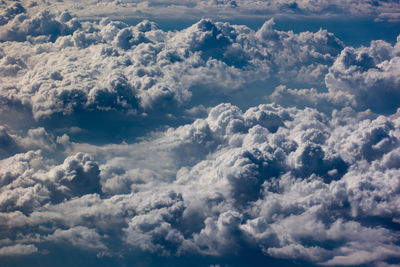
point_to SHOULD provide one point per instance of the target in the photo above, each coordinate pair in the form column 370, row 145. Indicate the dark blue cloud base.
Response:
column 213, row 145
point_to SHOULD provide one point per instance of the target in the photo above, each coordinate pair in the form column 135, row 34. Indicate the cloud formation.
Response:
column 361, row 78
column 291, row 182
column 106, row 65
column 382, row 10
column 311, row 176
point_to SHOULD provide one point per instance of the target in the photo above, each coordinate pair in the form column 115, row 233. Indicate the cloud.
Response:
column 10, row 12
column 362, row 78
column 18, row 250
column 311, row 177
column 29, row 181
column 224, row 8
column 23, row 27
column 14, row 142
column 154, row 230
column 368, row 74
column 261, row 174
column 110, row 66
column 79, row 236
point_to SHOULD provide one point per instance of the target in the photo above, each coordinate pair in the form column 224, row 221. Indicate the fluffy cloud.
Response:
column 363, row 78
column 22, row 27
column 10, row 12
column 289, row 182
column 105, row 66
column 36, row 138
column 312, row 177
column 28, row 181
column 369, row 75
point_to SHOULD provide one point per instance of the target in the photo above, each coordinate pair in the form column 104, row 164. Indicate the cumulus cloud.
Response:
column 23, row 27
column 369, row 74
column 13, row 142
column 362, row 78
column 311, row 177
column 287, row 181
column 110, row 66
column 10, row 12
column 28, row 181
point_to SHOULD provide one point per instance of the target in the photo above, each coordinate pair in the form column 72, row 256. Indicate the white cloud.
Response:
column 18, row 250
column 109, row 66
column 285, row 180
column 369, row 74
column 362, row 78
column 314, row 179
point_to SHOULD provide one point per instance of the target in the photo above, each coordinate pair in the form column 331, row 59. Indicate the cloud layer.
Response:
column 311, row 176
column 381, row 9
column 290, row 182
column 68, row 66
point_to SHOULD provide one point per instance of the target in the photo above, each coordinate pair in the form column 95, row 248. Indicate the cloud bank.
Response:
column 63, row 64
column 311, row 176
column 380, row 9
column 289, row 182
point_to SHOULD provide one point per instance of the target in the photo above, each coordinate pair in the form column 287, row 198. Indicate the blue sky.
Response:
column 204, row 133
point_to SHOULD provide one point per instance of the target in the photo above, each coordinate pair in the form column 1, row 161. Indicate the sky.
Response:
column 200, row 133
